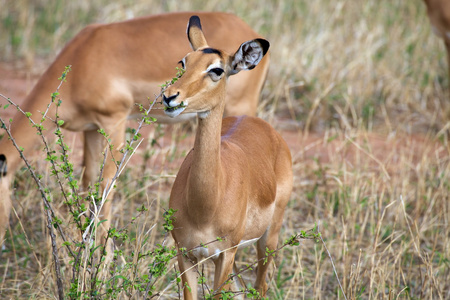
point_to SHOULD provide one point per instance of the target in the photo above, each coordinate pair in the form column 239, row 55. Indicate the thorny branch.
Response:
column 49, row 212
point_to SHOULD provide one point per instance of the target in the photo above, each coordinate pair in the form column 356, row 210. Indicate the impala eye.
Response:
column 182, row 63
column 217, row 71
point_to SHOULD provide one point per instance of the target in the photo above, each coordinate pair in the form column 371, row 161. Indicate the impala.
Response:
column 236, row 181
column 439, row 14
column 115, row 66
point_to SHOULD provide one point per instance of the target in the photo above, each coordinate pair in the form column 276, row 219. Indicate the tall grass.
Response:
column 359, row 90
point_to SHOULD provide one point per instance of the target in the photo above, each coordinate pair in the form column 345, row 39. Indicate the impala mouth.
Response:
column 173, row 111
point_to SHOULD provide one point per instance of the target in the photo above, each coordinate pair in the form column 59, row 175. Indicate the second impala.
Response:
column 113, row 67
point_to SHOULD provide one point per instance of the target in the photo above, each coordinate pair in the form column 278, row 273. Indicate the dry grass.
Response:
column 359, row 90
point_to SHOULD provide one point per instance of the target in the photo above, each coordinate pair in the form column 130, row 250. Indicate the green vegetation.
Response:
column 360, row 91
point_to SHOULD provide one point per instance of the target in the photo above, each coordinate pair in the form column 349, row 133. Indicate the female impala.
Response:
column 113, row 67
column 237, row 180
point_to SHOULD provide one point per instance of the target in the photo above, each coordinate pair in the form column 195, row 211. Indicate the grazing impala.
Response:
column 439, row 14
column 113, row 67
column 236, row 181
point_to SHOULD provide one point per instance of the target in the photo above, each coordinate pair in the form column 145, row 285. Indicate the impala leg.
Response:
column 270, row 238
column 188, row 278
column 5, row 206
column 261, row 245
column 268, row 241
column 447, row 48
column 446, row 112
column 94, row 146
column 223, row 268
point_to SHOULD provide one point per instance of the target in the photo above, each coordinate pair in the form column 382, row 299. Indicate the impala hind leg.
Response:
column 262, row 246
column 269, row 240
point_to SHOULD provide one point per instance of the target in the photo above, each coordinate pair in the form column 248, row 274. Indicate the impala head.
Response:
column 202, row 86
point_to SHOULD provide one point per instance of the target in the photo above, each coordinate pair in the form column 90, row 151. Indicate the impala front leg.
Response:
column 223, row 270
column 94, row 146
column 5, row 206
column 188, row 277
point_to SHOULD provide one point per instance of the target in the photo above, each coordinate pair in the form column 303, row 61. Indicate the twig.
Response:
column 332, row 263
column 385, row 172
column 39, row 129
column 315, row 105
column 124, row 159
column 292, row 241
column 49, row 212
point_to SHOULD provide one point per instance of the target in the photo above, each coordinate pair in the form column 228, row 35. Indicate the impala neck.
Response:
column 24, row 135
column 205, row 173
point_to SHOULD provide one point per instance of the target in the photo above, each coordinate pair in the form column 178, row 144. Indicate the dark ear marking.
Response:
column 195, row 34
column 194, row 21
column 264, row 44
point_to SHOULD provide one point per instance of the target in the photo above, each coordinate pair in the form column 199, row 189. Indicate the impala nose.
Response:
column 172, row 107
column 167, row 100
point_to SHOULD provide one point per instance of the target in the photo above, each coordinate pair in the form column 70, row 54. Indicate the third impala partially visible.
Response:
column 236, row 181
column 439, row 14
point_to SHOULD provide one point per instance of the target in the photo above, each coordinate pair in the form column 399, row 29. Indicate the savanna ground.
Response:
column 359, row 90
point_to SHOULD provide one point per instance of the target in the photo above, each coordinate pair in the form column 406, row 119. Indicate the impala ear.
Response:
column 249, row 55
column 195, row 33
column 3, row 165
